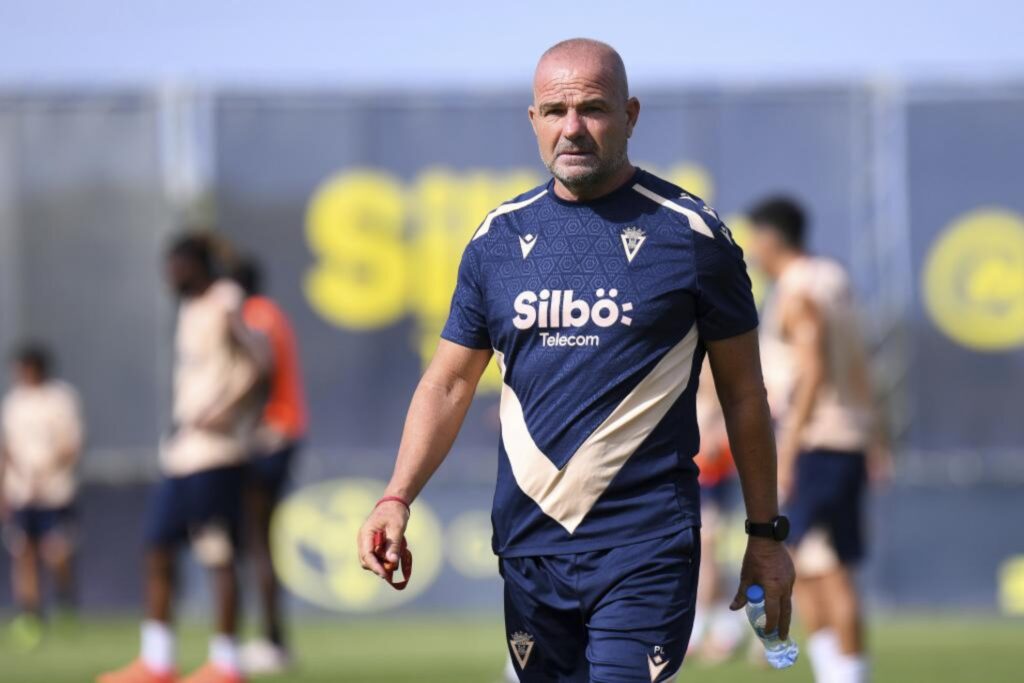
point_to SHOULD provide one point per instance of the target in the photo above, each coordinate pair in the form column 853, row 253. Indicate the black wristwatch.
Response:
column 777, row 529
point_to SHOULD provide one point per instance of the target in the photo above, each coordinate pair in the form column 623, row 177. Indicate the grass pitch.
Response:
column 446, row 649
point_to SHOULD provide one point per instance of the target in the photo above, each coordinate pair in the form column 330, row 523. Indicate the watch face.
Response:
column 780, row 528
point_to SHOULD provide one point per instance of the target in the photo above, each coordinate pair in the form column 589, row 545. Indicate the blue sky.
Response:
column 479, row 45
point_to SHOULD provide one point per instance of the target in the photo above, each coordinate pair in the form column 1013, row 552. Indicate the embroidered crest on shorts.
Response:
column 522, row 646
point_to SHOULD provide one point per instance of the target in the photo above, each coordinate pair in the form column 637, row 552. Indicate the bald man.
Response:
column 599, row 293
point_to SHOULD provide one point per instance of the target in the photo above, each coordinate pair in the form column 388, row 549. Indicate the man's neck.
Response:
column 787, row 260
column 199, row 288
column 614, row 182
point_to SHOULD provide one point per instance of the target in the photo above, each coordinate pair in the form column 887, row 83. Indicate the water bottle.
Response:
column 781, row 654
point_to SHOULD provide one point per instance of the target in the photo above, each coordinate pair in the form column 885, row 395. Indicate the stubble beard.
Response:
column 582, row 182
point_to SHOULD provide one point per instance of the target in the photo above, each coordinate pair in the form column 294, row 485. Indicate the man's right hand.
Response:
column 391, row 518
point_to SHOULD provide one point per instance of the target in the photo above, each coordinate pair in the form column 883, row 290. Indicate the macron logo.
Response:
column 527, row 243
column 656, row 663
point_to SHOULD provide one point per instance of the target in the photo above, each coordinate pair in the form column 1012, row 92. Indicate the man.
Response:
column 217, row 367
column 599, row 293
column 40, row 441
column 277, row 440
column 829, row 434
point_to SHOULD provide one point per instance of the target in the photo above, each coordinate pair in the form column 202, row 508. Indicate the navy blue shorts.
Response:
column 181, row 507
column 271, row 472
column 829, row 492
column 608, row 616
column 38, row 522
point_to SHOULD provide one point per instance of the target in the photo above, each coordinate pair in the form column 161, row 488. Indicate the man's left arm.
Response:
column 254, row 348
column 71, row 436
column 727, row 321
column 736, row 367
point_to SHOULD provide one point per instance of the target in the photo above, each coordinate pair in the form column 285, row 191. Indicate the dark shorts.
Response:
column 182, row 507
column 608, row 616
column 829, row 492
column 36, row 523
column 272, row 472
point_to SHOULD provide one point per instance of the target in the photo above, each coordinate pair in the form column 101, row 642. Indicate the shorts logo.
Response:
column 632, row 239
column 656, row 663
column 522, row 646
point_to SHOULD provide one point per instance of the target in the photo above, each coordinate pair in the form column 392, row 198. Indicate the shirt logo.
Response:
column 559, row 308
column 522, row 646
column 656, row 663
column 527, row 243
column 632, row 239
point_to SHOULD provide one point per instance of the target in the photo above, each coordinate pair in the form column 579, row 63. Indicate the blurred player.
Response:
column 717, row 630
column 217, row 368
column 600, row 293
column 40, row 440
column 276, row 442
column 828, row 430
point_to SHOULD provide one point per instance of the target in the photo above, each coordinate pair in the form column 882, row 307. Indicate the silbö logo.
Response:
column 558, row 309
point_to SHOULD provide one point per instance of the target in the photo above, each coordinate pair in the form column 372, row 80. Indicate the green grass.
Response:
column 934, row 649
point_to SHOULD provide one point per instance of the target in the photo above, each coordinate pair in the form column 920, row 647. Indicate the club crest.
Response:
column 632, row 239
column 522, row 646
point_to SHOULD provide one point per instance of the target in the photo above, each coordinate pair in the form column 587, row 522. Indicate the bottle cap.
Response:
column 755, row 594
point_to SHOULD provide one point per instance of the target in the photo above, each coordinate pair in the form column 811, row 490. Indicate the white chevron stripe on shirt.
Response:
column 503, row 209
column 696, row 221
column 568, row 494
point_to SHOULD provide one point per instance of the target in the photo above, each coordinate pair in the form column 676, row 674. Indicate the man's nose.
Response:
column 572, row 126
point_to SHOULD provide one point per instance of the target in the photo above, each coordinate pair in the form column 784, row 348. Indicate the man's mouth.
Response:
column 577, row 154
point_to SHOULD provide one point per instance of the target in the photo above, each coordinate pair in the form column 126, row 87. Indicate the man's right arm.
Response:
column 435, row 416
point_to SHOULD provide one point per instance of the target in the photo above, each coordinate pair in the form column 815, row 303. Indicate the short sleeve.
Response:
column 229, row 295
column 467, row 320
column 258, row 315
column 725, row 301
column 71, row 430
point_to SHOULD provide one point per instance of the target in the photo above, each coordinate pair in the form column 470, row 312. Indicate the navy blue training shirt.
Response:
column 598, row 312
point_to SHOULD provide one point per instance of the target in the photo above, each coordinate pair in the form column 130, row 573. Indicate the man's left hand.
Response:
column 767, row 563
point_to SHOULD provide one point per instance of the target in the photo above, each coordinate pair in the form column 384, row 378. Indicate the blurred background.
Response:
column 355, row 147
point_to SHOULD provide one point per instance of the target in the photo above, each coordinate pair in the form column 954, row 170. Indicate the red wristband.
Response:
column 397, row 499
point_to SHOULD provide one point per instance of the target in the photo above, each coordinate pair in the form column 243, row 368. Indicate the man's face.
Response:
column 766, row 249
column 582, row 121
column 181, row 274
column 26, row 374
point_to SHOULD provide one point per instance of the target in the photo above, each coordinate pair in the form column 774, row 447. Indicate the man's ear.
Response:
column 531, row 111
column 632, row 114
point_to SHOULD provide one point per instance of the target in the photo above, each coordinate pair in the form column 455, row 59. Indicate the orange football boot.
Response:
column 137, row 672
column 211, row 673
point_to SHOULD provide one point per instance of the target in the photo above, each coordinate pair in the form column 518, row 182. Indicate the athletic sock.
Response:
column 823, row 651
column 700, row 623
column 852, row 669
column 157, row 646
column 510, row 672
column 726, row 628
column 224, row 652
